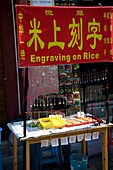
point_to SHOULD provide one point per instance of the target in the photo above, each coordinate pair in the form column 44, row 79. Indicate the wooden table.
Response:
column 103, row 129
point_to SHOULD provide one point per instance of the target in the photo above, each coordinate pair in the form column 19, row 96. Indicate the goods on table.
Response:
column 75, row 121
column 34, row 123
column 46, row 123
column 56, row 121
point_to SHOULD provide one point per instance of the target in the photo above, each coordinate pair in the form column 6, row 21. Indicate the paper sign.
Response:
column 87, row 136
column 95, row 135
column 64, row 141
column 72, row 139
column 54, row 142
column 44, row 143
column 80, row 137
column 42, row 2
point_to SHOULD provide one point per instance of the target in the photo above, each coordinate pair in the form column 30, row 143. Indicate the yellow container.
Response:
column 46, row 123
column 59, row 123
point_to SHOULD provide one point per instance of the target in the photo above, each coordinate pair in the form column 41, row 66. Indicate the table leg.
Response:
column 105, row 150
column 84, row 147
column 27, row 155
column 14, row 152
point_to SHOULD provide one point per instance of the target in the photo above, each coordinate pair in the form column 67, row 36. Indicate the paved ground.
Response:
column 94, row 153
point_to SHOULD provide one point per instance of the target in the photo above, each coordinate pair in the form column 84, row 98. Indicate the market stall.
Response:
column 83, row 132
column 58, row 36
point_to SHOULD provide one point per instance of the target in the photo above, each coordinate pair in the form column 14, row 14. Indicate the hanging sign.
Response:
column 51, row 35
column 42, row 2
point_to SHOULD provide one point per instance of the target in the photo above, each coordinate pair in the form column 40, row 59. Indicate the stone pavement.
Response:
column 94, row 155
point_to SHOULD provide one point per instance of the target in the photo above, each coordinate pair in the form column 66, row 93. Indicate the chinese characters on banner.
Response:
column 63, row 35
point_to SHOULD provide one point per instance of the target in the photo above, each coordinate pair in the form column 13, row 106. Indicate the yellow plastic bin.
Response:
column 0, row 150
column 46, row 123
column 78, row 161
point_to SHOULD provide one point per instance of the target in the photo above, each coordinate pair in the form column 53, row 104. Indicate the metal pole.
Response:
column 15, row 45
column 107, row 106
column 106, row 94
column 84, row 98
column 25, row 107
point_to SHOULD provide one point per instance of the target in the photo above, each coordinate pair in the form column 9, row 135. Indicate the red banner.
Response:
column 64, row 35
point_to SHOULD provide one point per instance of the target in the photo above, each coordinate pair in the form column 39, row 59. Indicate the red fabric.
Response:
column 63, row 35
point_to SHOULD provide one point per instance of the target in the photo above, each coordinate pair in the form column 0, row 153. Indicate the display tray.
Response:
column 77, row 121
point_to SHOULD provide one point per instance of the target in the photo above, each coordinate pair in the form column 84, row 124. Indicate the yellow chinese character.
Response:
column 76, row 34
column 108, row 15
column 104, row 15
column 35, row 31
column 105, row 41
column 111, row 28
column 94, row 28
column 20, row 16
column 105, row 27
column 80, row 13
column 104, row 52
column 21, row 29
column 110, row 40
column 111, row 15
column 49, row 12
column 22, row 54
column 21, row 42
column 111, row 52
column 55, row 42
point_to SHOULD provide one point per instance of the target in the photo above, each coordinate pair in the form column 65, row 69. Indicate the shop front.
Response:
column 53, row 45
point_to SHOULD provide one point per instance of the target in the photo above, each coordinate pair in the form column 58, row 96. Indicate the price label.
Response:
column 87, row 136
column 72, row 139
column 54, row 142
column 95, row 135
column 80, row 137
column 45, row 143
column 64, row 141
